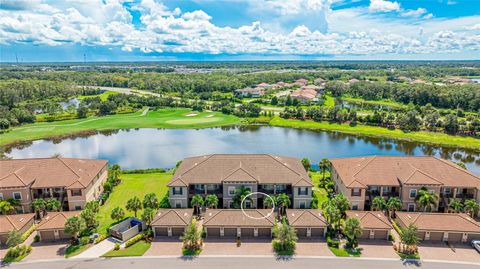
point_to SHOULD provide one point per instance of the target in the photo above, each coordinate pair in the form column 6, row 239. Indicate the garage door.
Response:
column 247, row 232
column 365, row 234
column 421, row 235
column 302, row 232
column 436, row 236
column 317, row 232
column 47, row 235
column 230, row 232
column 471, row 237
column 63, row 235
column 381, row 235
column 265, row 232
column 177, row 231
column 455, row 237
column 213, row 232
column 161, row 231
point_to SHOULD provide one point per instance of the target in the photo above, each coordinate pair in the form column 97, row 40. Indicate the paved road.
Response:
column 237, row 263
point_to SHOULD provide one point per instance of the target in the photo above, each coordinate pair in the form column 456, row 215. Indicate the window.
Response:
column 387, row 189
column 303, row 191
column 280, row 188
column 354, row 206
column 356, row 192
column 447, row 190
column 177, row 191
column 76, row 192
column 248, row 204
column 178, row 204
column 413, row 193
column 17, row 196
column 302, row 204
column 199, row 187
column 411, row 207
column 78, row 207
column 231, row 191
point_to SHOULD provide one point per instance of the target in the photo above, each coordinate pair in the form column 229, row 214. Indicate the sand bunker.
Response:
column 191, row 114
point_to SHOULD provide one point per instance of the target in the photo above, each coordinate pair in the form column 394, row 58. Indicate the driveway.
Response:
column 46, row 251
column 441, row 251
column 377, row 249
column 165, row 247
column 99, row 249
column 312, row 248
column 229, row 247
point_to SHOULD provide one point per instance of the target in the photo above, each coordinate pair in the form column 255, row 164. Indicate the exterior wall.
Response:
column 227, row 197
column 180, row 199
column 341, row 188
column 25, row 202
column 297, row 199
column 405, row 196
column 90, row 193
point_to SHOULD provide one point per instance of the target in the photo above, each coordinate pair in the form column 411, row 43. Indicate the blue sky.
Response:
column 155, row 30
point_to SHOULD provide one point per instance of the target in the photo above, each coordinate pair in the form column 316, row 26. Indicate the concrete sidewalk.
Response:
column 99, row 249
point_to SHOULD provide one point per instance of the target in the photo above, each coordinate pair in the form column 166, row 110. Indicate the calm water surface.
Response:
column 151, row 148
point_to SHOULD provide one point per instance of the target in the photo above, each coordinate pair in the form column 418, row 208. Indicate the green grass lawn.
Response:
column 329, row 101
column 364, row 130
column 389, row 103
column 74, row 250
column 163, row 118
column 320, row 192
column 103, row 96
column 132, row 185
column 415, row 256
column 137, row 249
column 342, row 252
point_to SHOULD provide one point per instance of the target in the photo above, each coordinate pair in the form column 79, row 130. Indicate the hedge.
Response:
column 398, row 229
column 133, row 240
column 28, row 232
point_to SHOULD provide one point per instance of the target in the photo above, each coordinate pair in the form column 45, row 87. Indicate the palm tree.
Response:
column 471, row 207
column 378, row 203
column 393, row 204
column 323, row 165
column 306, row 164
column 285, row 238
column 74, row 225
column 456, row 205
column 117, row 214
column 426, row 199
column 341, row 202
column 197, row 202
column 148, row 215
column 134, row 205
column 409, row 238
column 53, row 205
column 211, row 200
column 5, row 207
column 151, row 201
column 39, row 206
column 241, row 194
column 283, row 202
column 332, row 213
column 93, row 205
column 270, row 201
column 352, row 230
column 192, row 237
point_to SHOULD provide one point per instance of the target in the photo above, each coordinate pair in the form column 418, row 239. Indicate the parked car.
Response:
column 476, row 245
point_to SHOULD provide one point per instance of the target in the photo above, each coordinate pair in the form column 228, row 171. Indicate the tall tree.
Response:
column 74, row 225
column 409, row 238
column 241, row 194
column 456, row 205
column 134, row 204
column 39, row 206
column 93, row 205
column 352, row 230
column 5, row 207
column 426, row 199
column 89, row 218
column 323, row 165
column 151, row 201
column 283, row 202
column 211, row 200
column 306, row 164
column 393, row 204
column 148, row 215
column 197, row 202
column 53, row 204
column 471, row 207
column 192, row 237
column 378, row 203
column 117, row 214
column 285, row 238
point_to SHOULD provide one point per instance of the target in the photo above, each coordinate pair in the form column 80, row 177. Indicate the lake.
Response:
column 152, row 148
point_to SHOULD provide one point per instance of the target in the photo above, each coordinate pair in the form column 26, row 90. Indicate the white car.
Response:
column 476, row 245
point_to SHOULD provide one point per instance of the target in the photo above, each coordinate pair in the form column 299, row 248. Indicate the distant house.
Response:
column 72, row 181
column 353, row 80
column 251, row 92
column 301, row 82
column 451, row 227
column 311, row 88
column 319, row 81
column 305, row 96
column 264, row 85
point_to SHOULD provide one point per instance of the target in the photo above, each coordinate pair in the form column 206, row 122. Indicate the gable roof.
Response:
column 14, row 222
column 457, row 222
column 306, row 218
column 56, row 220
column 370, row 219
column 261, row 168
column 397, row 170
column 49, row 172
column 237, row 218
column 172, row 217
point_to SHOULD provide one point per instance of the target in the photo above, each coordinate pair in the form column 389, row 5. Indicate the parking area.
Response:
column 312, row 248
column 46, row 251
column 165, row 247
column 377, row 249
column 453, row 252
column 229, row 247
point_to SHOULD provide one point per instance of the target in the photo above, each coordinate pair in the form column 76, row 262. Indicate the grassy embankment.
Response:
column 164, row 118
column 103, row 96
column 132, row 185
column 373, row 131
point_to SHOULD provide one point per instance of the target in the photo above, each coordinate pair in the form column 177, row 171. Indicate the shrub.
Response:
column 391, row 237
column 100, row 238
column 17, row 253
column 28, row 233
column 396, row 227
column 84, row 240
column 116, row 247
column 332, row 242
column 134, row 240
column 36, row 239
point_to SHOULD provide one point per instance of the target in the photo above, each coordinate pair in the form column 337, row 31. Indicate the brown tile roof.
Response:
column 237, row 218
column 370, row 219
column 172, row 217
column 455, row 222
column 306, row 218
column 414, row 170
column 261, row 168
column 56, row 220
column 49, row 172
column 14, row 222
